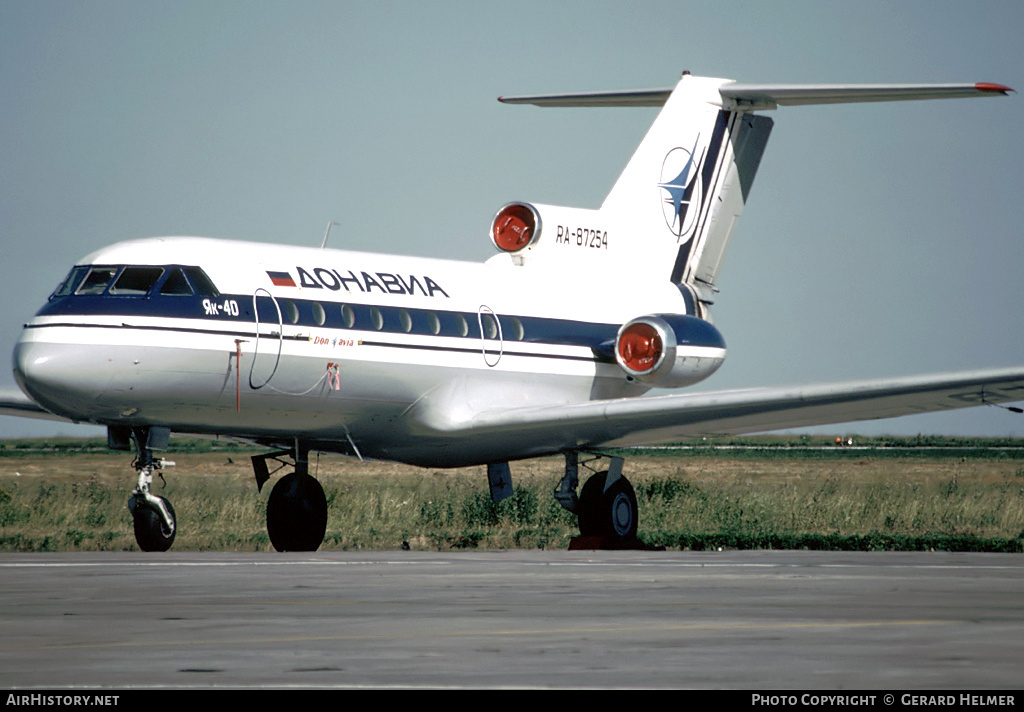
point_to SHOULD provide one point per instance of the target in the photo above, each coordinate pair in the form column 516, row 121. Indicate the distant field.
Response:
column 765, row 492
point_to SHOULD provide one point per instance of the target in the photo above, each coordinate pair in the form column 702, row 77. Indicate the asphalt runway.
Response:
column 732, row 620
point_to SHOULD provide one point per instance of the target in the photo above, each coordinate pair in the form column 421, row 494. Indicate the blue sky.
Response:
column 879, row 240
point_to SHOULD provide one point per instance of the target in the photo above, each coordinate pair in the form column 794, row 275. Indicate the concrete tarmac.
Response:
column 757, row 620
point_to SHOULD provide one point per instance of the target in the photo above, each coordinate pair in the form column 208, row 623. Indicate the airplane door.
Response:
column 265, row 366
column 491, row 341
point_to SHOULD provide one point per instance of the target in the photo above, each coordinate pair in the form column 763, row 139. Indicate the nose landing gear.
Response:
column 154, row 519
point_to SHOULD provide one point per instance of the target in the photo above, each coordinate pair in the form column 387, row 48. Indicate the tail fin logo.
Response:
column 682, row 190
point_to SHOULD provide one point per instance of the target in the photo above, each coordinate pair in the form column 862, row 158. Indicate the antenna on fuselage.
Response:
column 326, row 234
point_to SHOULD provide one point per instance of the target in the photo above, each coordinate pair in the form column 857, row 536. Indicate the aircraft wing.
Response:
column 14, row 402
column 659, row 419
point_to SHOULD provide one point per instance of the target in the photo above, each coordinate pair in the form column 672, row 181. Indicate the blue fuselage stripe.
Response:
column 227, row 313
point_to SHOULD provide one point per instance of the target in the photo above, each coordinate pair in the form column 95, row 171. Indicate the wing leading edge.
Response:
column 659, row 419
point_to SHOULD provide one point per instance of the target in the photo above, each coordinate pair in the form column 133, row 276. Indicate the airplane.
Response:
column 537, row 351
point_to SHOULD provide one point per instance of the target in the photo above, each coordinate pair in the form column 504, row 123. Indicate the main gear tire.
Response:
column 610, row 512
column 297, row 514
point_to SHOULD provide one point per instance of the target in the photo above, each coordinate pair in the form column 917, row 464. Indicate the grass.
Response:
column 73, row 498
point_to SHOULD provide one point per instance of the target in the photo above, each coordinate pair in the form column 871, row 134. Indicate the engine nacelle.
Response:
column 669, row 350
column 515, row 227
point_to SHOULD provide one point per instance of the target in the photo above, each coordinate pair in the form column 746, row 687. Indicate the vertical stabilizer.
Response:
column 684, row 188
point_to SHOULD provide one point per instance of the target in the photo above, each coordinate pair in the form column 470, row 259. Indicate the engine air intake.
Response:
column 669, row 350
column 515, row 226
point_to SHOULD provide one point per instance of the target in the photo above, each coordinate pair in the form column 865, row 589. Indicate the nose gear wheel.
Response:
column 152, row 533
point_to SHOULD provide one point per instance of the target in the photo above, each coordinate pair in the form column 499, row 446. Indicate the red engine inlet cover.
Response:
column 514, row 227
column 640, row 347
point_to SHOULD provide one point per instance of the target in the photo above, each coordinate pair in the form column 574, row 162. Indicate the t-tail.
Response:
column 674, row 208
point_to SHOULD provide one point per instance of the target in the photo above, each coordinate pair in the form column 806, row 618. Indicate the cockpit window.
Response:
column 70, row 282
column 176, row 284
column 97, row 280
column 136, row 281
column 200, row 282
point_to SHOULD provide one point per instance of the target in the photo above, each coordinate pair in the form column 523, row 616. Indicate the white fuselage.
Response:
column 376, row 355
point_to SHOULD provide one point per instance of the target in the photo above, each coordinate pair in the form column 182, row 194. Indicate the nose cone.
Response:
column 58, row 377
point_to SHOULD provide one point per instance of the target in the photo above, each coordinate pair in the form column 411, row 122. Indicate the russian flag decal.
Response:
column 281, row 279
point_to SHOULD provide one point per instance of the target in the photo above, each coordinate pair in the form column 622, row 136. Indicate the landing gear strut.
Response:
column 297, row 508
column 606, row 506
column 154, row 519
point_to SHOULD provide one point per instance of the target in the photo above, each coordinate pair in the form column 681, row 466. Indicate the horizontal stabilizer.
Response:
column 768, row 96
column 639, row 97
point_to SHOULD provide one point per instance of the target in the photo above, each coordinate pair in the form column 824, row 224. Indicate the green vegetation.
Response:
column 78, row 446
column 838, row 512
column 958, row 495
column 826, row 448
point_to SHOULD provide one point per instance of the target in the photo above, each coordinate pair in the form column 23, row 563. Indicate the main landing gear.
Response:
column 606, row 507
column 297, row 508
column 154, row 519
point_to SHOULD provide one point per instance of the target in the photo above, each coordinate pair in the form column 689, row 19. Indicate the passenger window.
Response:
column 136, row 281
column 490, row 325
column 348, row 316
column 512, row 328
column 433, row 323
column 176, row 284
column 319, row 315
column 405, row 320
column 97, row 280
column 290, row 311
